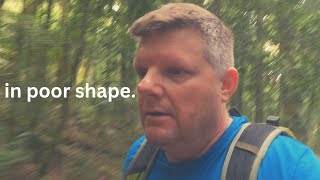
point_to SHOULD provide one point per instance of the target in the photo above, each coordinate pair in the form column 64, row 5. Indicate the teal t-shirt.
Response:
column 286, row 159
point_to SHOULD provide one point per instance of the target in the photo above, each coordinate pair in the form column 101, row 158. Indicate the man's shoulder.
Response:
column 288, row 147
column 132, row 151
column 288, row 158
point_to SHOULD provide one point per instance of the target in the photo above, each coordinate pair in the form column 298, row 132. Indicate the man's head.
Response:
column 184, row 63
column 217, row 39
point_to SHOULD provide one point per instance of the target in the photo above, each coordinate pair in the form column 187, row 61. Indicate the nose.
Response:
column 150, row 84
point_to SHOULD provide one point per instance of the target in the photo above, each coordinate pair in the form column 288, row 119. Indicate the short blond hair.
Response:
column 218, row 46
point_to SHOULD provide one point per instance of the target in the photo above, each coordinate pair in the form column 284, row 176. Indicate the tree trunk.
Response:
column 290, row 98
column 67, row 82
column 47, row 24
column 259, row 93
column 80, row 51
column 1, row 3
column 259, row 69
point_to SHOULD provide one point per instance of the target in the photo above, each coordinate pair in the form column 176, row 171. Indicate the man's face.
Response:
column 179, row 92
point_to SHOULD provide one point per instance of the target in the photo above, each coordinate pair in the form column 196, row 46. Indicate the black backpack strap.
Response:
column 142, row 162
column 273, row 120
column 247, row 150
column 234, row 112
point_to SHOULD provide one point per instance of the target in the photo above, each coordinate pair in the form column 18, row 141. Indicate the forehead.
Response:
column 172, row 34
column 175, row 44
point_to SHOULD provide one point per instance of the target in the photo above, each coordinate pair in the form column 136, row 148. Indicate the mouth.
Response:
column 156, row 118
column 156, row 114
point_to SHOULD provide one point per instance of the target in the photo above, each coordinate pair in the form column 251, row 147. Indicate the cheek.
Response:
column 196, row 104
column 186, row 103
column 194, row 96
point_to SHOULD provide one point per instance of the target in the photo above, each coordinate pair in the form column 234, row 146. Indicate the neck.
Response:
column 196, row 148
column 217, row 136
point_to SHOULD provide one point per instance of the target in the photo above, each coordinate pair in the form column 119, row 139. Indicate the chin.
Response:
column 157, row 136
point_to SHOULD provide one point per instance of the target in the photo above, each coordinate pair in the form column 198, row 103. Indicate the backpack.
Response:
column 243, row 159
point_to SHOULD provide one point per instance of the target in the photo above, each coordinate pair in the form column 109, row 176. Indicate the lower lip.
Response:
column 156, row 120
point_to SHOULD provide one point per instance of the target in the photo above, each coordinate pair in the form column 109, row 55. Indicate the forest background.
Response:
column 67, row 43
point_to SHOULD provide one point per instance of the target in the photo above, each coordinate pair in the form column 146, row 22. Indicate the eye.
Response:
column 175, row 71
column 141, row 72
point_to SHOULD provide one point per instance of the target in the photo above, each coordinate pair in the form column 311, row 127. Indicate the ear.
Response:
column 229, row 84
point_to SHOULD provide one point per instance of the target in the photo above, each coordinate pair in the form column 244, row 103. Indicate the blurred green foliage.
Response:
column 68, row 43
